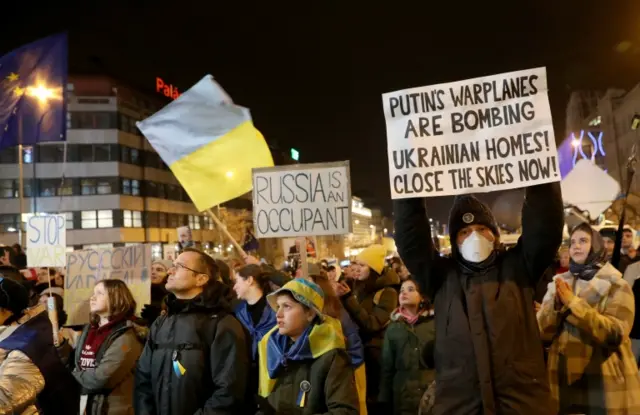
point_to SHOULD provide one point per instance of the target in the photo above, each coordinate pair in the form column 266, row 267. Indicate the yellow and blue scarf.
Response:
column 274, row 349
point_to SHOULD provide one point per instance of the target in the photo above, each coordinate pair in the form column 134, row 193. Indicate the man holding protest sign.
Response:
column 484, row 134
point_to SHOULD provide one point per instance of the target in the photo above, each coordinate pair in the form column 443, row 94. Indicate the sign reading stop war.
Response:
column 302, row 200
column 478, row 135
column 46, row 241
column 131, row 264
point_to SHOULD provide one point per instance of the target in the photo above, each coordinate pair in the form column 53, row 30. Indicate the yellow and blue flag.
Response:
column 33, row 80
column 209, row 143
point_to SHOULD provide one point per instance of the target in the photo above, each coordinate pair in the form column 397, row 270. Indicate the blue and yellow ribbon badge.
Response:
column 177, row 366
column 305, row 387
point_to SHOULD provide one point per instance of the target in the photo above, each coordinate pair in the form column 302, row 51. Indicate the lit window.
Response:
column 208, row 223
column 132, row 219
column 194, row 222
column 7, row 188
column 89, row 219
column 130, row 187
column 68, row 218
column 105, row 219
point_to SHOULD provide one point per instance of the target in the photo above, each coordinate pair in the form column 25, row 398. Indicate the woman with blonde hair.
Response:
column 108, row 350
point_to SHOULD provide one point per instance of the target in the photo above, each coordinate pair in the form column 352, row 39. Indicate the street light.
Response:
column 43, row 95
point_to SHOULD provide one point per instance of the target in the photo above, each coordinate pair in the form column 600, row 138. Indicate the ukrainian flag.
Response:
column 209, row 143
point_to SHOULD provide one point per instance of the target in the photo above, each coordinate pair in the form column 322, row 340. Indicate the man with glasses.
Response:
column 196, row 358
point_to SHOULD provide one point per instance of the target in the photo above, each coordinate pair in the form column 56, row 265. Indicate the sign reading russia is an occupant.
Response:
column 479, row 135
column 46, row 241
column 302, row 200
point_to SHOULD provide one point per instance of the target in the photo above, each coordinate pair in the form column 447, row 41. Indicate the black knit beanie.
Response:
column 467, row 210
column 13, row 296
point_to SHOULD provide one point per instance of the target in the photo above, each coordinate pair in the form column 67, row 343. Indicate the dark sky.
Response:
column 313, row 76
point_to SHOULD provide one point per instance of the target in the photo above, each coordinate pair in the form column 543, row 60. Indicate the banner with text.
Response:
column 302, row 200
column 479, row 135
column 46, row 241
column 132, row 264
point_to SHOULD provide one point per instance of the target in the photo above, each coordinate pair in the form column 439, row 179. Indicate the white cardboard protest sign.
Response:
column 131, row 264
column 302, row 200
column 46, row 241
column 478, row 135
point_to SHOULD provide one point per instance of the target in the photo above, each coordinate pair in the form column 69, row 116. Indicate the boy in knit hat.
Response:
column 489, row 358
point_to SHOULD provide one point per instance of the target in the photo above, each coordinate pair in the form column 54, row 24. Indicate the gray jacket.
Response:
column 109, row 386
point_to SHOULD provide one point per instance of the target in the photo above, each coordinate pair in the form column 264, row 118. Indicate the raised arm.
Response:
column 542, row 223
column 415, row 246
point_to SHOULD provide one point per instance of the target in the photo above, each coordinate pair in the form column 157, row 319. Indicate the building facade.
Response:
column 114, row 189
column 106, row 179
column 599, row 127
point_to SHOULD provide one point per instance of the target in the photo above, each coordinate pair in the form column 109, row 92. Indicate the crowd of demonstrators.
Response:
column 407, row 352
column 588, row 314
column 488, row 354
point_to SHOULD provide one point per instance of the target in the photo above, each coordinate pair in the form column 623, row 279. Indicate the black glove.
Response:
column 264, row 407
column 150, row 313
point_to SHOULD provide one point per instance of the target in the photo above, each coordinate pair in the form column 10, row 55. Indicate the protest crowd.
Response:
column 544, row 326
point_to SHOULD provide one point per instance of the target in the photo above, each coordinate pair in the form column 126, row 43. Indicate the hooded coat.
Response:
column 591, row 366
column 488, row 355
column 407, row 362
column 196, row 359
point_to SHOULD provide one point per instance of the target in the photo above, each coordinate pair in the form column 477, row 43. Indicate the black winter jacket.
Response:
column 488, row 354
column 196, row 359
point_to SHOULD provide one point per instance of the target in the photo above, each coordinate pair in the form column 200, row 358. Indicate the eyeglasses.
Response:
column 178, row 266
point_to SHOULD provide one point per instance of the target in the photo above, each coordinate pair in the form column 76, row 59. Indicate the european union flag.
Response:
column 250, row 242
column 33, row 80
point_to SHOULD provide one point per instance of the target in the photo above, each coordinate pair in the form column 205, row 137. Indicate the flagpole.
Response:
column 224, row 230
column 20, row 182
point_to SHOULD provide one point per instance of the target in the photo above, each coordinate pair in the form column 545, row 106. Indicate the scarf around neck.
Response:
column 594, row 262
column 276, row 349
column 266, row 323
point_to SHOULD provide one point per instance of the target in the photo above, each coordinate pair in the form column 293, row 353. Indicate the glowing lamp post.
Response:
column 43, row 95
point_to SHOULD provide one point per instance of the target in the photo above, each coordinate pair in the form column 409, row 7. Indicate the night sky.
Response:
column 313, row 76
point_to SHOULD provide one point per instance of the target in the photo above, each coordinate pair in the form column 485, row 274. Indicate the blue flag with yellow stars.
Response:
column 33, row 80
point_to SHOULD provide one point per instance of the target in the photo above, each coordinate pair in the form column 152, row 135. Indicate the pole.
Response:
column 20, row 182
column 304, row 268
column 224, row 230
column 615, row 260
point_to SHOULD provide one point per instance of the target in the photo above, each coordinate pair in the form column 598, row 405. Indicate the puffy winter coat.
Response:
column 196, row 359
column 407, row 362
column 488, row 354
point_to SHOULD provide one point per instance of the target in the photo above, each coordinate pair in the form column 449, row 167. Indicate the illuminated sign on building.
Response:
column 295, row 154
column 165, row 89
column 573, row 149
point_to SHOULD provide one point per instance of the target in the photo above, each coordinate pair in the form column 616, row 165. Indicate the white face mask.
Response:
column 476, row 248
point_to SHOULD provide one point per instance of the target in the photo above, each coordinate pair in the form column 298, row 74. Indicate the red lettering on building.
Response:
column 165, row 89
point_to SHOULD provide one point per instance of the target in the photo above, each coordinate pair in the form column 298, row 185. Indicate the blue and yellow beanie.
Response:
column 303, row 291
